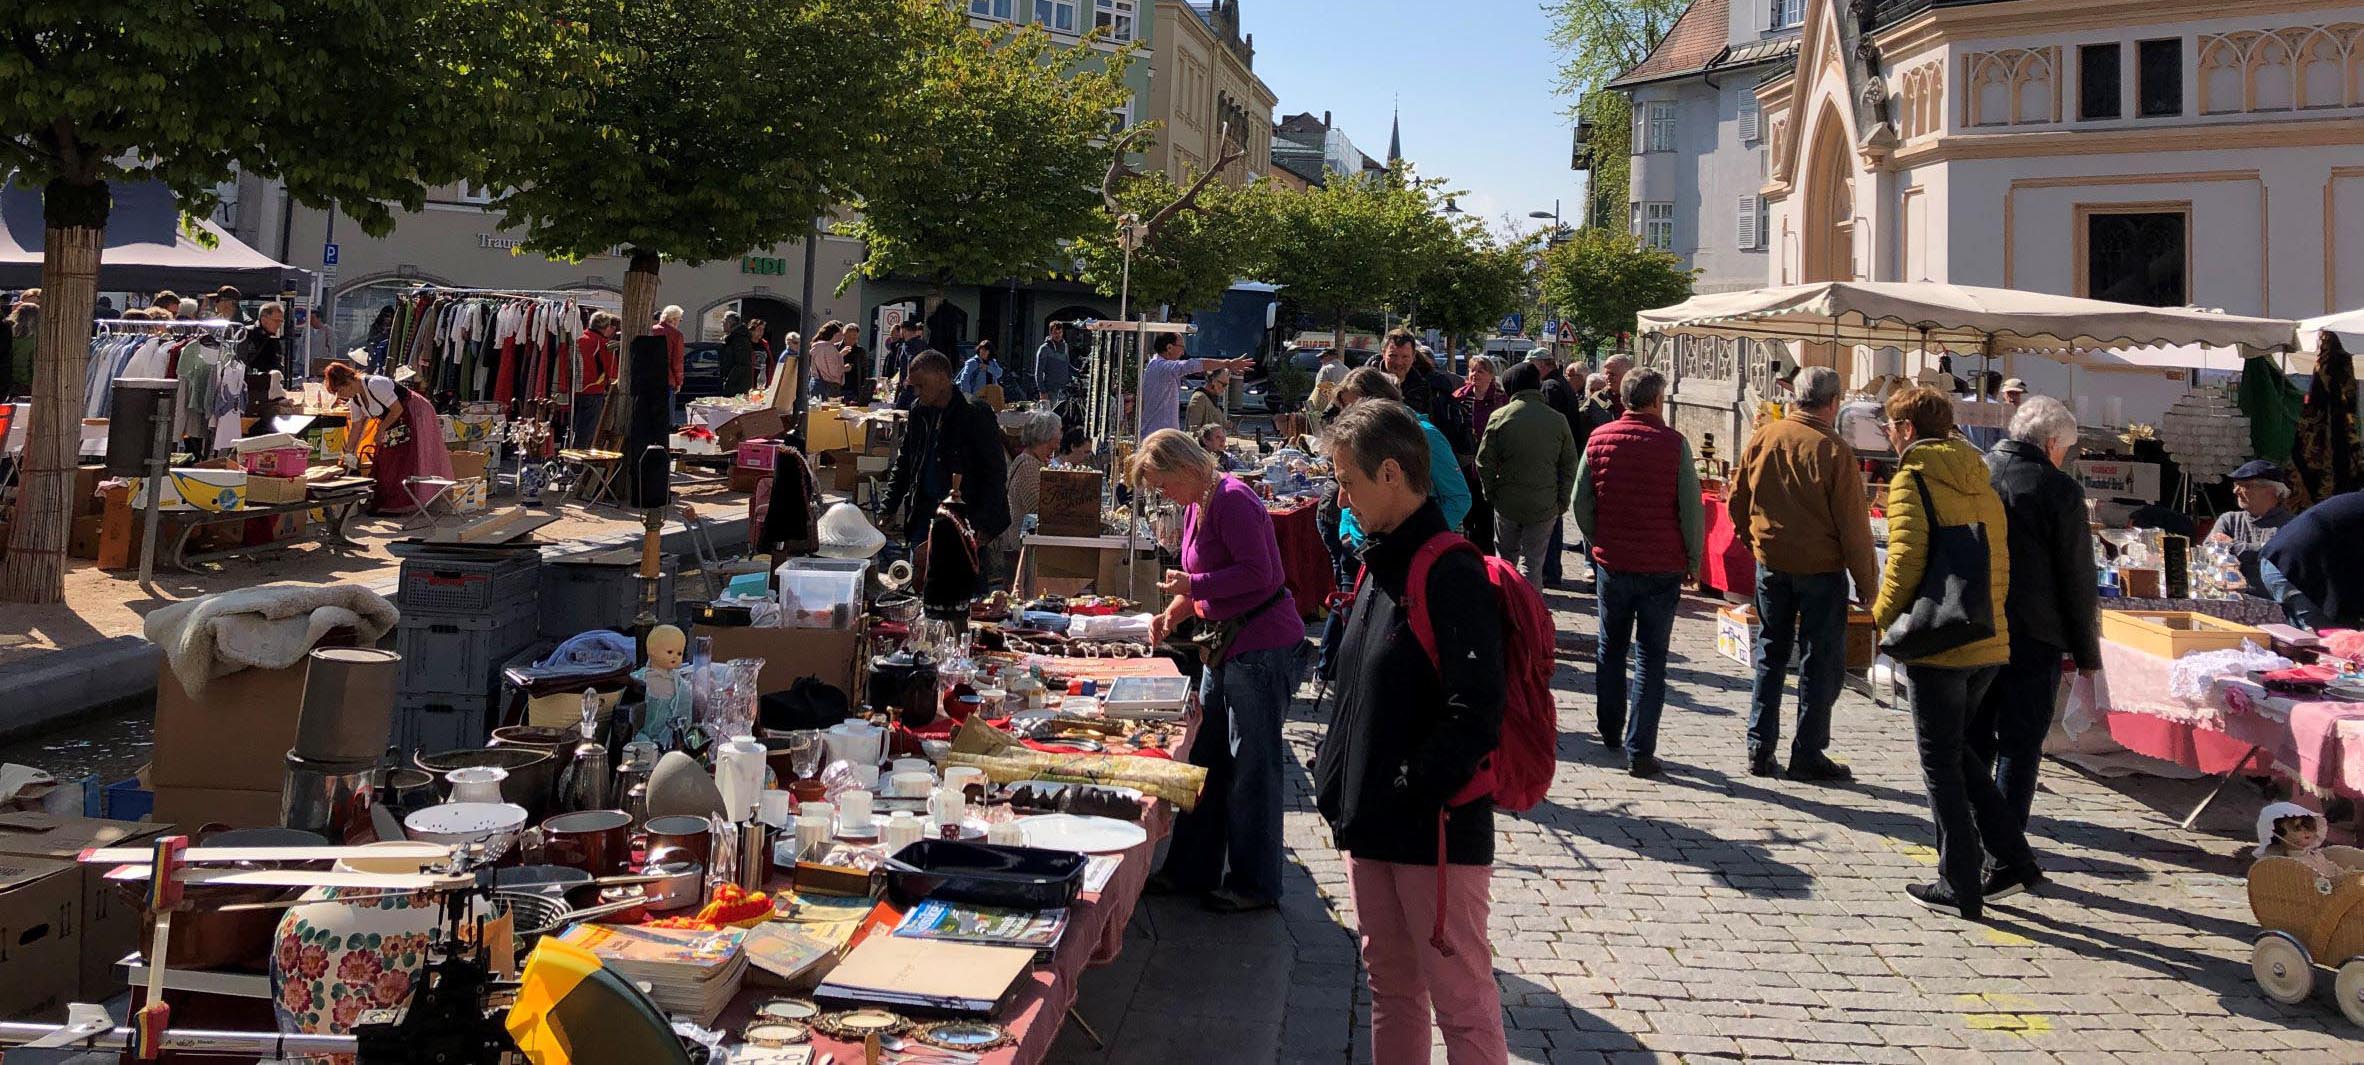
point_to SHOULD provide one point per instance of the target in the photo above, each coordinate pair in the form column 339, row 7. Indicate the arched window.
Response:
column 2272, row 83
column 2322, row 65
column 2221, row 62
column 1990, row 94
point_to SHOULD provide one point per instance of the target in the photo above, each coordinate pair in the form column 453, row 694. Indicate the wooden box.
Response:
column 2176, row 633
column 82, row 541
column 1863, row 640
column 265, row 490
column 1070, row 502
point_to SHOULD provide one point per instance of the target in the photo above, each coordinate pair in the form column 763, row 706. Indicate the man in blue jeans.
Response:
column 1796, row 500
column 1637, row 502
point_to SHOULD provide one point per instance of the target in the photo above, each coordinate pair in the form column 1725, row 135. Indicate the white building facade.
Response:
column 1700, row 145
column 2164, row 152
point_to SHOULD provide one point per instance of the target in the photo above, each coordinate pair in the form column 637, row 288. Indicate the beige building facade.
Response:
column 1204, row 83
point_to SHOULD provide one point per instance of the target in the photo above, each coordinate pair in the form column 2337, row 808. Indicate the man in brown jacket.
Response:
column 1797, row 502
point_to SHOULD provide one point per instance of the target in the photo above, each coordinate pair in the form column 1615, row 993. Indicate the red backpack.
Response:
column 1519, row 771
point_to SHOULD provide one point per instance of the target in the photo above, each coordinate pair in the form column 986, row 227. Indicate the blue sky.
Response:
column 1474, row 76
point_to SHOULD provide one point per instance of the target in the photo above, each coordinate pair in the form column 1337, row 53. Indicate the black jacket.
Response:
column 2053, row 599
column 1560, row 397
column 966, row 439
column 738, row 361
column 1430, row 391
column 2317, row 553
column 1405, row 738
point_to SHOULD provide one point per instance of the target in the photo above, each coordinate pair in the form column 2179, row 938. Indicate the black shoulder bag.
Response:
column 1954, row 606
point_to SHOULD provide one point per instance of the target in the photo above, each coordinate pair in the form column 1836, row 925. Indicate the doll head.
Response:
column 666, row 647
column 2296, row 828
column 2299, row 833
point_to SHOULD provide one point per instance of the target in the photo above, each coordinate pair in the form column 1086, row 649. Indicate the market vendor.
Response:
column 2262, row 492
column 948, row 435
column 1161, row 381
column 2312, row 567
column 1038, row 440
column 409, row 438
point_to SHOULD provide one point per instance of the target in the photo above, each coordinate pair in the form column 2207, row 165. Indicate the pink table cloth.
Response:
column 2317, row 745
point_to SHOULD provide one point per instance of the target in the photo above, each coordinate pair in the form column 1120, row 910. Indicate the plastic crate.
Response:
column 123, row 800
column 601, row 592
column 460, row 655
column 441, row 722
column 461, row 587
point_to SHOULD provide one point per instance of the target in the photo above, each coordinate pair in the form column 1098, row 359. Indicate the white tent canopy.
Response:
column 2348, row 324
column 1961, row 318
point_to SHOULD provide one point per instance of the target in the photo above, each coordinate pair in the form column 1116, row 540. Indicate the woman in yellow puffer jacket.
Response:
column 1972, row 818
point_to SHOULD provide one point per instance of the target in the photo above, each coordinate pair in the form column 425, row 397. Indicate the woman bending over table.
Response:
column 409, row 437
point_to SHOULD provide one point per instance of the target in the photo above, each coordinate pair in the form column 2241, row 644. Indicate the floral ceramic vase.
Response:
column 333, row 960
column 531, row 478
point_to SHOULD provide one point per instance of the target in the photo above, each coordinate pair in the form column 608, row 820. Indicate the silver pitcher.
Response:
column 587, row 783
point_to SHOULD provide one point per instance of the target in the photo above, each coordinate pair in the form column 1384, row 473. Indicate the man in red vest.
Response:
column 1637, row 500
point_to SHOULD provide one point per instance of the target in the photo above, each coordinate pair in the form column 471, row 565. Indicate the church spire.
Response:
column 1395, row 135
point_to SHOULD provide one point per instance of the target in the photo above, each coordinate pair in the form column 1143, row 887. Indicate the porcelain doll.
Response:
column 2288, row 830
column 668, row 699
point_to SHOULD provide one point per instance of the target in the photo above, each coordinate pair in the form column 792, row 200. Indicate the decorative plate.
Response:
column 787, row 1009
column 1082, row 834
column 770, row 1033
column 961, row 1035
column 857, row 1024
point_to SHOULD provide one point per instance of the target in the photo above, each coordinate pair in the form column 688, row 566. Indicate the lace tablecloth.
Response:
column 2318, row 745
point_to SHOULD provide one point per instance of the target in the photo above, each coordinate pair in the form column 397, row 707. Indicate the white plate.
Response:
column 1082, row 835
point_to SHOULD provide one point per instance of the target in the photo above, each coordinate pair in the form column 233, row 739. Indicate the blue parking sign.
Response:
column 328, row 254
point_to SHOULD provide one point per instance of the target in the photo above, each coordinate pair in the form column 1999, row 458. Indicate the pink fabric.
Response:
column 2315, row 736
column 2134, row 681
column 1396, row 906
column 423, row 455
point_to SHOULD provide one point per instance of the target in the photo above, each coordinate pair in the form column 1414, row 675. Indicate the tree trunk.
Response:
column 74, row 218
column 640, row 312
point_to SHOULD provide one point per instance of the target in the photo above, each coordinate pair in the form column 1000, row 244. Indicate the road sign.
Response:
column 328, row 253
column 1512, row 324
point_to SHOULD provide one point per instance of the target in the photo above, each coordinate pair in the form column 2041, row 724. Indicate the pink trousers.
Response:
column 1396, row 905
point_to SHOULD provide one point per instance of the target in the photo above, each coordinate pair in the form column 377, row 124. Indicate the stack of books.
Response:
column 688, row 974
column 927, row 974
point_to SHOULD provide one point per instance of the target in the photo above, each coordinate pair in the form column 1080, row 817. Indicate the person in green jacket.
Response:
column 1938, row 469
column 1527, row 464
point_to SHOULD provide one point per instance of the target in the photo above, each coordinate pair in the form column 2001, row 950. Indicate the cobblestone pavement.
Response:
column 1708, row 914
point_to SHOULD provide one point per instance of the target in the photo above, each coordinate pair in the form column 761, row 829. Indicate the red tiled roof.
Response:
column 1696, row 40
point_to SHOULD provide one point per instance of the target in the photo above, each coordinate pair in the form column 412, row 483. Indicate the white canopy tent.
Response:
column 2349, row 325
column 1935, row 317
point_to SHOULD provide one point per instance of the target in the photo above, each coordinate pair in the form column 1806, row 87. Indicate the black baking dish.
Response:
column 983, row 874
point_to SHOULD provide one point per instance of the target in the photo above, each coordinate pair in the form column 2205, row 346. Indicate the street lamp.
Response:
column 1559, row 232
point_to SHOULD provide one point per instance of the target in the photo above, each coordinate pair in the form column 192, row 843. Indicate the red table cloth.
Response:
column 1305, row 563
column 1727, row 565
column 2312, row 744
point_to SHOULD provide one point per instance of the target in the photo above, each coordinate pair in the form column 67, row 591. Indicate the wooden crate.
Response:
column 1070, row 502
column 2176, row 633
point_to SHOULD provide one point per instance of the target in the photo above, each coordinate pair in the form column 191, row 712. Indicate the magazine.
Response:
column 992, row 926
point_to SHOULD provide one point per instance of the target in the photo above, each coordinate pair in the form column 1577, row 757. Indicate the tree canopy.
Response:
column 1600, row 280
column 1194, row 258
column 1473, row 282
column 1598, row 40
column 361, row 105
column 997, row 158
column 719, row 126
column 1354, row 242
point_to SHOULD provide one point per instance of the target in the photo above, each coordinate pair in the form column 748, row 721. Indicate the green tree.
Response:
column 1193, row 258
column 1472, row 283
column 1600, row 280
column 1598, row 40
column 363, row 105
column 1354, row 242
column 719, row 127
column 999, row 158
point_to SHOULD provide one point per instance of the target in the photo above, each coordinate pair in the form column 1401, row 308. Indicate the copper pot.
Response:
column 204, row 937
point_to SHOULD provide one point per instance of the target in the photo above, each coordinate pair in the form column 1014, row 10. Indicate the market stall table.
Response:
column 336, row 502
column 2235, row 727
column 1727, row 566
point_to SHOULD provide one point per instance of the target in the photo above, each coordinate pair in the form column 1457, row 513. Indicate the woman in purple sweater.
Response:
column 1228, row 849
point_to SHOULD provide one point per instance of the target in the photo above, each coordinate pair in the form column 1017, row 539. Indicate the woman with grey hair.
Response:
column 1038, row 440
column 2052, row 609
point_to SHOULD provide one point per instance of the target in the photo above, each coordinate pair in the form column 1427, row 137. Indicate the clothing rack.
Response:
column 579, row 295
column 232, row 331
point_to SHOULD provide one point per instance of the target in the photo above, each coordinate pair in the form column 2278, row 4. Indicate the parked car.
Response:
column 701, row 376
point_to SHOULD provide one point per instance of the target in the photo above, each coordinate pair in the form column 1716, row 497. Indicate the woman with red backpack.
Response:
column 1421, row 693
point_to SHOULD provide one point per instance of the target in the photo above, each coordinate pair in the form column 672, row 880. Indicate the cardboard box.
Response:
column 263, row 491
column 233, row 807
column 82, row 541
column 747, row 478
column 276, row 462
column 788, row 654
column 1736, row 634
column 195, row 488
column 86, row 490
column 118, row 533
column 110, row 917
column 235, row 734
column 753, row 425
column 1104, row 567
column 40, row 905
column 466, row 464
